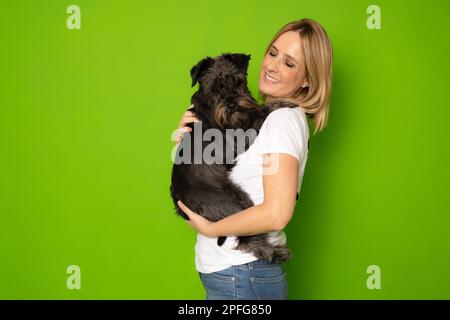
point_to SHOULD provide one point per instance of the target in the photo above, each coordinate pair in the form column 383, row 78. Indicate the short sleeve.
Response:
column 281, row 132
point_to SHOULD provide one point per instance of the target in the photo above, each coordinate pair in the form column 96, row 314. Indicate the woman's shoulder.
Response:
column 283, row 117
column 284, row 131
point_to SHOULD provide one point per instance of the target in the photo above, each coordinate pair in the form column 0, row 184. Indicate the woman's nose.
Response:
column 273, row 66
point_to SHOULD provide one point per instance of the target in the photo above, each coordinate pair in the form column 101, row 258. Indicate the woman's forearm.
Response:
column 255, row 220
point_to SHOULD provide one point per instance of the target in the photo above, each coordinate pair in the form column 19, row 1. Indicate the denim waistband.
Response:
column 253, row 264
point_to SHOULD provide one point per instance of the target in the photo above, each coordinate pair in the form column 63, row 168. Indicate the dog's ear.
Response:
column 200, row 68
column 239, row 59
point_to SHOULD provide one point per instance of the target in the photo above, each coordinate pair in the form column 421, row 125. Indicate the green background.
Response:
column 86, row 118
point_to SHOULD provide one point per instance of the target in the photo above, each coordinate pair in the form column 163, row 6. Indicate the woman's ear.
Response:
column 200, row 68
column 305, row 84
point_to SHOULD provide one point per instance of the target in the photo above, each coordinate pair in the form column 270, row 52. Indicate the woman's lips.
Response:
column 271, row 79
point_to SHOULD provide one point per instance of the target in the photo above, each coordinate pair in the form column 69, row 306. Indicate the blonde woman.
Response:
column 297, row 67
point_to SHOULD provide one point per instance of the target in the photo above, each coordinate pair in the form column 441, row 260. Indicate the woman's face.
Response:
column 283, row 68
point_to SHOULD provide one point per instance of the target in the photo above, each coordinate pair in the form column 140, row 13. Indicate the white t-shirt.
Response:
column 283, row 131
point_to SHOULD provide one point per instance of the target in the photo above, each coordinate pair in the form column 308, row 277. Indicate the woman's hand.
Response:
column 196, row 221
column 187, row 117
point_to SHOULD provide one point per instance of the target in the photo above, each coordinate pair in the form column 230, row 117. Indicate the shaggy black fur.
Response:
column 222, row 101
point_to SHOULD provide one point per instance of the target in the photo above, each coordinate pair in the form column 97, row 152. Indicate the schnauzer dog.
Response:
column 222, row 102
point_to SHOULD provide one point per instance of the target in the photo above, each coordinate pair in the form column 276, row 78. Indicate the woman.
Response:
column 297, row 67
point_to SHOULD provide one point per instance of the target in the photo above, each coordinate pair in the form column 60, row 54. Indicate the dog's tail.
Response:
column 260, row 247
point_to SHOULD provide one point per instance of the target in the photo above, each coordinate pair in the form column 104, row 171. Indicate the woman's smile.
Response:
column 271, row 79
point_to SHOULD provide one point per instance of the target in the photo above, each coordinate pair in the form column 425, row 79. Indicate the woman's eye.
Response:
column 289, row 65
column 272, row 54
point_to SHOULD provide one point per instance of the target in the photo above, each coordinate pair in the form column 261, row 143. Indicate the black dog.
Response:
column 222, row 102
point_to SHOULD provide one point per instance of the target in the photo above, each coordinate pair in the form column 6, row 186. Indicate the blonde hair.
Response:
column 318, row 52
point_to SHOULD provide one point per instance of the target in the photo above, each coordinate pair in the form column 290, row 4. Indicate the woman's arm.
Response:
column 280, row 174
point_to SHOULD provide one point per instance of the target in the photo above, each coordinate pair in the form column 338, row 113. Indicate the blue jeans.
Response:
column 256, row 280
